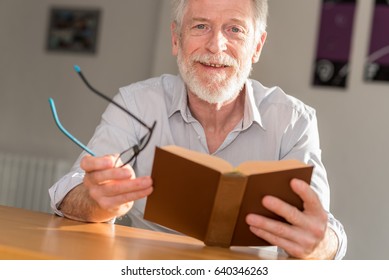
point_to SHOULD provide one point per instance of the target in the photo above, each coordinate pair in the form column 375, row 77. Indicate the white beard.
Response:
column 215, row 89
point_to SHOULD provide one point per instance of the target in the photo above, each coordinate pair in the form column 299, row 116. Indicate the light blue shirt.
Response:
column 275, row 126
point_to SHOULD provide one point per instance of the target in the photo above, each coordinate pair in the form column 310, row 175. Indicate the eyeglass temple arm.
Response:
column 64, row 131
column 78, row 70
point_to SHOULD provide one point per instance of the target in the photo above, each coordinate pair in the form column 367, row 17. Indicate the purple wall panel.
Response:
column 334, row 43
column 377, row 61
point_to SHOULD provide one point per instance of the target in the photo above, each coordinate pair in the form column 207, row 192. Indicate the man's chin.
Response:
column 213, row 95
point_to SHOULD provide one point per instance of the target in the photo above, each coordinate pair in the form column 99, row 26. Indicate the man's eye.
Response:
column 235, row 29
column 200, row 26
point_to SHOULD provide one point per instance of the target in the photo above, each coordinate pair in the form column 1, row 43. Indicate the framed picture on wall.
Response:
column 73, row 30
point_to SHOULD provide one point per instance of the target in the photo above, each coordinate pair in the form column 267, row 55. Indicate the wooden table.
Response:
column 29, row 235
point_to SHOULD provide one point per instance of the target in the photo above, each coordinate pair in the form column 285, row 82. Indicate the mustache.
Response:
column 220, row 59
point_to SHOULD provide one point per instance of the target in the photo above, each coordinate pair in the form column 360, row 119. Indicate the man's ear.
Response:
column 175, row 38
column 258, row 48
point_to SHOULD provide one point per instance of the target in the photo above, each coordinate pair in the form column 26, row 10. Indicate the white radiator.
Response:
column 24, row 181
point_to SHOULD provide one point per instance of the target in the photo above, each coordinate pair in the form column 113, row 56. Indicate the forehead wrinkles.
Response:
column 217, row 12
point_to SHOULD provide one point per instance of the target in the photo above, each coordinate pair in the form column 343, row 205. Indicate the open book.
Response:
column 205, row 197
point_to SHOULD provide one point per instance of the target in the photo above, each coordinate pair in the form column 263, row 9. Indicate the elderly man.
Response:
column 211, row 107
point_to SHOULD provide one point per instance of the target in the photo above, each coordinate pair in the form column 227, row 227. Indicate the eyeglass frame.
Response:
column 136, row 149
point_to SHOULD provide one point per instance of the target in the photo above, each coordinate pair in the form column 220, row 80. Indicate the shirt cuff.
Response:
column 61, row 188
column 337, row 227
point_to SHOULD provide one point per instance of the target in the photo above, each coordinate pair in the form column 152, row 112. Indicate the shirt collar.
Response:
column 251, row 111
column 180, row 99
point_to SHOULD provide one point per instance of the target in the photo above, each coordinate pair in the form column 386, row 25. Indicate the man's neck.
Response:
column 217, row 120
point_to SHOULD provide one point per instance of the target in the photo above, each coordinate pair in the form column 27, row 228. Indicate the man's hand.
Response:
column 106, row 192
column 307, row 236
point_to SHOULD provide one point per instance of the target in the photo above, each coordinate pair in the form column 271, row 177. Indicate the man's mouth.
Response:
column 214, row 65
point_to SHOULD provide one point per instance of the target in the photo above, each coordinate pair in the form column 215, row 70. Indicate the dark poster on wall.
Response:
column 334, row 43
column 377, row 61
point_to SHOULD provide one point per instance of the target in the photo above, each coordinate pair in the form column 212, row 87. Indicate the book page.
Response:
column 207, row 160
column 256, row 167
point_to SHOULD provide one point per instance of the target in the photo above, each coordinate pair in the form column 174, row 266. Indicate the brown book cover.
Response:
column 205, row 197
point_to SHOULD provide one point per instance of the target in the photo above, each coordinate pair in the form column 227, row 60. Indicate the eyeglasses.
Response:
column 126, row 156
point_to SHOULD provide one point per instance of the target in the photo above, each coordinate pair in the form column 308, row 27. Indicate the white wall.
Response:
column 352, row 122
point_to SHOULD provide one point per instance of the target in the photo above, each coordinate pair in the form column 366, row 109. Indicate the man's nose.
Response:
column 217, row 42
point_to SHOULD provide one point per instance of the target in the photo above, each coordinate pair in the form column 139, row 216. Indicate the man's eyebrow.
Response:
column 239, row 21
column 201, row 19
column 234, row 20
